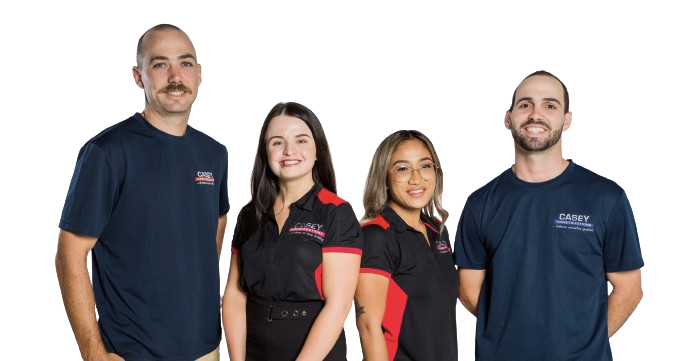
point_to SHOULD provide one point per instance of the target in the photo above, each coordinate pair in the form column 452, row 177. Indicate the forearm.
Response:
column 219, row 247
column 469, row 302
column 325, row 331
column 235, row 325
column 620, row 305
column 372, row 341
column 78, row 298
column 469, row 288
column 220, row 233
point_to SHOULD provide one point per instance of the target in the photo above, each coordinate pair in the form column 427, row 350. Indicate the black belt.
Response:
column 282, row 310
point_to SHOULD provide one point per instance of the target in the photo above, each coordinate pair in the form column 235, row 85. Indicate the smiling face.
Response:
column 290, row 149
column 412, row 195
column 538, row 117
column 168, row 73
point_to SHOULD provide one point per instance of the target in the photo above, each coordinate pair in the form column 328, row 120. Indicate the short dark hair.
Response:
column 546, row 73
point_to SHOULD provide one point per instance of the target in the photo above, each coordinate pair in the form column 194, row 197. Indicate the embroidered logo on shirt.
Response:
column 576, row 222
column 310, row 229
column 205, row 178
column 441, row 246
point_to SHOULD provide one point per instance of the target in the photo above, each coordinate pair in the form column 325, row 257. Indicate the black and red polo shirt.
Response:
column 420, row 317
column 288, row 266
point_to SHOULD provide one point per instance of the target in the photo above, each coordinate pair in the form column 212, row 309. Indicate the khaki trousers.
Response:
column 211, row 356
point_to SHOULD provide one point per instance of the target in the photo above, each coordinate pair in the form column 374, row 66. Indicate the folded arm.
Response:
column 625, row 296
column 469, row 288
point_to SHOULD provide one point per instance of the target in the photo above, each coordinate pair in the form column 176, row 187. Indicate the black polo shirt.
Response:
column 288, row 266
column 420, row 318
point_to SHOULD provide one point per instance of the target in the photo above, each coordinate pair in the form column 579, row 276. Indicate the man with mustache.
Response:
column 148, row 199
column 537, row 246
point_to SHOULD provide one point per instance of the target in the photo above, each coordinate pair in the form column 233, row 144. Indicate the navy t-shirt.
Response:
column 153, row 201
column 546, row 248
column 288, row 266
column 420, row 317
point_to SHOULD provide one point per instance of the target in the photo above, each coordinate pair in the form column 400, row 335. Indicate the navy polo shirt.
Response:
column 288, row 266
column 420, row 318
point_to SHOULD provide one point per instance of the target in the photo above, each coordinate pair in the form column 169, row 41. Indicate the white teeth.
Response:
column 534, row 130
column 291, row 162
column 416, row 191
column 176, row 93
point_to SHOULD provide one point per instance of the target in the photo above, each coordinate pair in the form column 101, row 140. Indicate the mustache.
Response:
column 174, row 88
column 535, row 122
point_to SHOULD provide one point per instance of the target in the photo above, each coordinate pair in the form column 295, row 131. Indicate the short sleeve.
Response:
column 234, row 242
column 469, row 250
column 92, row 195
column 343, row 232
column 622, row 250
column 379, row 253
column 224, row 201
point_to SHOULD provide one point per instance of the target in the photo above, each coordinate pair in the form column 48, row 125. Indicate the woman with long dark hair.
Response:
column 295, row 251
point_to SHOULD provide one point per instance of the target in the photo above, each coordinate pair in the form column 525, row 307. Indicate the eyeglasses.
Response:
column 403, row 173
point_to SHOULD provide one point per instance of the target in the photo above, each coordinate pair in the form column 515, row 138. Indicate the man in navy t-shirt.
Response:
column 148, row 199
column 537, row 246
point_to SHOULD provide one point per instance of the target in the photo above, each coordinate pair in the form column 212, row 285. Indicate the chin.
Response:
column 290, row 176
column 419, row 205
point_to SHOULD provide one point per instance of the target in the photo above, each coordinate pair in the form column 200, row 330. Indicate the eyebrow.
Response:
column 161, row 57
column 281, row 137
column 555, row 100
column 405, row 161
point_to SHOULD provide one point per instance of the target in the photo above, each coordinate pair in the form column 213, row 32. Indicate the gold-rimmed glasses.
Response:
column 402, row 173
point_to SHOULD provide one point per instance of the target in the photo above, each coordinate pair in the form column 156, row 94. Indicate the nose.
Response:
column 535, row 114
column 289, row 149
column 174, row 74
column 415, row 177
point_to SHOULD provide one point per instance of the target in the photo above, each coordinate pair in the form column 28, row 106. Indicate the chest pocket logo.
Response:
column 441, row 246
column 314, row 230
column 204, row 178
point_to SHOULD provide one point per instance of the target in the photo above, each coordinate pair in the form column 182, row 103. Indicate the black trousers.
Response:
column 276, row 331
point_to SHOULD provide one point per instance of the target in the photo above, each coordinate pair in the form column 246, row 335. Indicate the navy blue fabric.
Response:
column 546, row 248
column 153, row 201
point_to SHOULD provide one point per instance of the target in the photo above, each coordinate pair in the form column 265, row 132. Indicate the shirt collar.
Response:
column 399, row 224
column 306, row 202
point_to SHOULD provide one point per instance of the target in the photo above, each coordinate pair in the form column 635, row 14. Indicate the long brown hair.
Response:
column 265, row 184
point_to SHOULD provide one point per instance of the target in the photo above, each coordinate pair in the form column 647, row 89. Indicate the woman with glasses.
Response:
column 406, row 295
